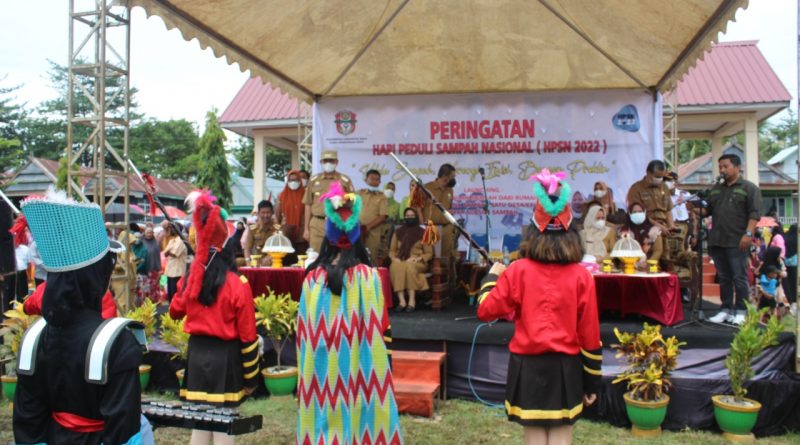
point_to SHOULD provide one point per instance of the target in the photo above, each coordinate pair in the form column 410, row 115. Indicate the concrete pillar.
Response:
column 295, row 158
column 716, row 152
column 259, row 169
column 751, row 150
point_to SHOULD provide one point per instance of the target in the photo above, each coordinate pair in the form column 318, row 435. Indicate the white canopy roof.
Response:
column 314, row 49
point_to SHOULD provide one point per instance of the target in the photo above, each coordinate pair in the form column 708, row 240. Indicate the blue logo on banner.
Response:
column 626, row 119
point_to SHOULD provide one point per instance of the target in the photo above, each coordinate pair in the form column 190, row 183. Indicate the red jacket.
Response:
column 33, row 304
column 231, row 317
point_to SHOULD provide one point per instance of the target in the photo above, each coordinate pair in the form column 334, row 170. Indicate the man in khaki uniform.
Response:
column 442, row 189
column 374, row 210
column 119, row 276
column 259, row 233
column 653, row 194
column 317, row 186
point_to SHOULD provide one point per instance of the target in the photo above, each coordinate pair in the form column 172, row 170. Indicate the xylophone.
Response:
column 199, row 417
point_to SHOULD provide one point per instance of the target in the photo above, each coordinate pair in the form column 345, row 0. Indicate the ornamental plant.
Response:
column 145, row 314
column 651, row 359
column 13, row 328
column 278, row 314
column 751, row 339
column 172, row 333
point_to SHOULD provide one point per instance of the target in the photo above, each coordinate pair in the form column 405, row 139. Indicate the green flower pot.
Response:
column 646, row 417
column 735, row 421
column 280, row 382
column 9, row 386
column 144, row 376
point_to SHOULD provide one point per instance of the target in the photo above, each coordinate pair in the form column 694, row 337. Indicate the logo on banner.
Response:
column 345, row 122
column 627, row 118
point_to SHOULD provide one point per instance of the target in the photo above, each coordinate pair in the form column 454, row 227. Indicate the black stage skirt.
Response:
column 544, row 390
column 214, row 372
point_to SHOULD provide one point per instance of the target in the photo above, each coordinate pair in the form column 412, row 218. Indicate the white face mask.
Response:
column 389, row 193
column 637, row 218
column 294, row 185
column 670, row 184
column 599, row 193
column 599, row 224
column 328, row 167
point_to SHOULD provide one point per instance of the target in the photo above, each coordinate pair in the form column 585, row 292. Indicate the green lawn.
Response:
column 456, row 422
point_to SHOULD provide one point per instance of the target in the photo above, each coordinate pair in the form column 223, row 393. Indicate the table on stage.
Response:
column 290, row 280
column 656, row 296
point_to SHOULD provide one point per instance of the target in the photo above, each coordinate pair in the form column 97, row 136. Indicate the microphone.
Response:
column 719, row 179
column 481, row 171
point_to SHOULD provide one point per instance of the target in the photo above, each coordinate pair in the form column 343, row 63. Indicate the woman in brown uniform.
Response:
column 410, row 260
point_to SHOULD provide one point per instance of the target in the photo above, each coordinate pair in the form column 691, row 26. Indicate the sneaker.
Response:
column 738, row 319
column 722, row 317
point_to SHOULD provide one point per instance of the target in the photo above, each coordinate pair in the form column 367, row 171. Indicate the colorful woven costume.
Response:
column 345, row 382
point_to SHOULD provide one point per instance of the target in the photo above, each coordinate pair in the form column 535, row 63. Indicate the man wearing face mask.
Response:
column 374, row 210
column 290, row 210
column 314, row 226
column 394, row 217
column 654, row 195
column 442, row 189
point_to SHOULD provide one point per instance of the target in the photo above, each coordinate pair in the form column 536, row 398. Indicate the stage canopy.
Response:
column 367, row 47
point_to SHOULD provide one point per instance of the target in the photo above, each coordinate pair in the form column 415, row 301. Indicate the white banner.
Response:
column 594, row 136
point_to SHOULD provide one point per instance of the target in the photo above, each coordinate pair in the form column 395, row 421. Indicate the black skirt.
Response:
column 214, row 372
column 544, row 390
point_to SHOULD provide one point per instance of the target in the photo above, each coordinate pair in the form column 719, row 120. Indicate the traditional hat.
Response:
column 552, row 212
column 211, row 232
column 342, row 210
column 70, row 235
column 330, row 154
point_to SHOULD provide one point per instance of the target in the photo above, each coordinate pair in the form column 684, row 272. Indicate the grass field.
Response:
column 456, row 422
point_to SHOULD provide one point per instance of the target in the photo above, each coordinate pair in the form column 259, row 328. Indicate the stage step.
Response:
column 710, row 290
column 417, row 377
column 708, row 277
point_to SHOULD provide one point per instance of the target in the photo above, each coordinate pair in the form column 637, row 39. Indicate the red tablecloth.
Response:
column 657, row 297
column 290, row 279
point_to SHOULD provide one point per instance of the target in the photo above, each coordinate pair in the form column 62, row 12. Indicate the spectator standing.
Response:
column 175, row 252
column 289, row 211
column 373, row 214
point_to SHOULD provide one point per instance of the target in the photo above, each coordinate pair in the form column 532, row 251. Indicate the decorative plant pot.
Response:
column 180, row 374
column 280, row 382
column 144, row 375
column 736, row 421
column 646, row 417
column 9, row 386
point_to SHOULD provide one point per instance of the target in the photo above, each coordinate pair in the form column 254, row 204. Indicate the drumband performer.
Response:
column 554, row 368
column 223, row 362
column 345, row 381
column 78, row 376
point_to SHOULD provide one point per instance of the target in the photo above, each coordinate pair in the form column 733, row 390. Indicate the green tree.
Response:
column 11, row 153
column 278, row 161
column 689, row 149
column 243, row 153
column 166, row 149
column 213, row 172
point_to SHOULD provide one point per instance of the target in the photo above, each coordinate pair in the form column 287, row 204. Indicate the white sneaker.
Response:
column 738, row 319
column 721, row 317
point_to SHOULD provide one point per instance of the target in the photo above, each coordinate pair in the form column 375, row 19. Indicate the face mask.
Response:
column 373, row 189
column 328, row 167
column 657, row 181
column 599, row 193
column 410, row 221
column 637, row 218
column 599, row 224
column 294, row 185
column 452, row 183
column 670, row 184
column 389, row 193
column 304, row 181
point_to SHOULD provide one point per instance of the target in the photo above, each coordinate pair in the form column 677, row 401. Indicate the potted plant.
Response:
column 145, row 314
column 736, row 415
column 278, row 314
column 651, row 359
column 12, row 330
column 172, row 333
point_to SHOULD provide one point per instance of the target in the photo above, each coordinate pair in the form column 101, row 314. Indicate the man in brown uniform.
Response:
column 653, row 194
column 259, row 233
column 318, row 185
column 374, row 210
column 442, row 189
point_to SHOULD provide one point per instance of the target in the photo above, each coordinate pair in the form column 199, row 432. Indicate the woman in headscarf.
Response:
column 597, row 238
column 603, row 196
column 646, row 234
column 342, row 320
column 410, row 258
column 289, row 211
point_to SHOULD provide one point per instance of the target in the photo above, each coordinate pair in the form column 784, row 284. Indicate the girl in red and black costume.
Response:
column 554, row 368
column 223, row 362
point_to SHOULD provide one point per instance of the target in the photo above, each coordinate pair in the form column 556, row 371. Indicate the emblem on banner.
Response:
column 345, row 122
column 626, row 119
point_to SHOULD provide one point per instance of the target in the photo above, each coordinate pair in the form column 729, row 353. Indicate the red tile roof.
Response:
column 257, row 101
column 731, row 73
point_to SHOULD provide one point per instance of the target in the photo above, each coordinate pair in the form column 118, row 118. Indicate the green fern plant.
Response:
column 278, row 314
column 751, row 339
column 11, row 330
column 651, row 359
column 172, row 333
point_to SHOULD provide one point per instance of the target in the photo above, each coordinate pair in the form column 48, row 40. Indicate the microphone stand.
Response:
column 486, row 209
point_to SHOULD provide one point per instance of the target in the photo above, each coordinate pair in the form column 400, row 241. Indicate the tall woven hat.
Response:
column 211, row 232
column 342, row 211
column 70, row 235
column 552, row 212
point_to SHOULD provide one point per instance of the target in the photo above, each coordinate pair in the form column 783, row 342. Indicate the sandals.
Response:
column 409, row 308
column 399, row 308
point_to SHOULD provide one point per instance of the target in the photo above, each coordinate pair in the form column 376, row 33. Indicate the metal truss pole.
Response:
column 98, row 108
column 304, row 135
column 671, row 141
